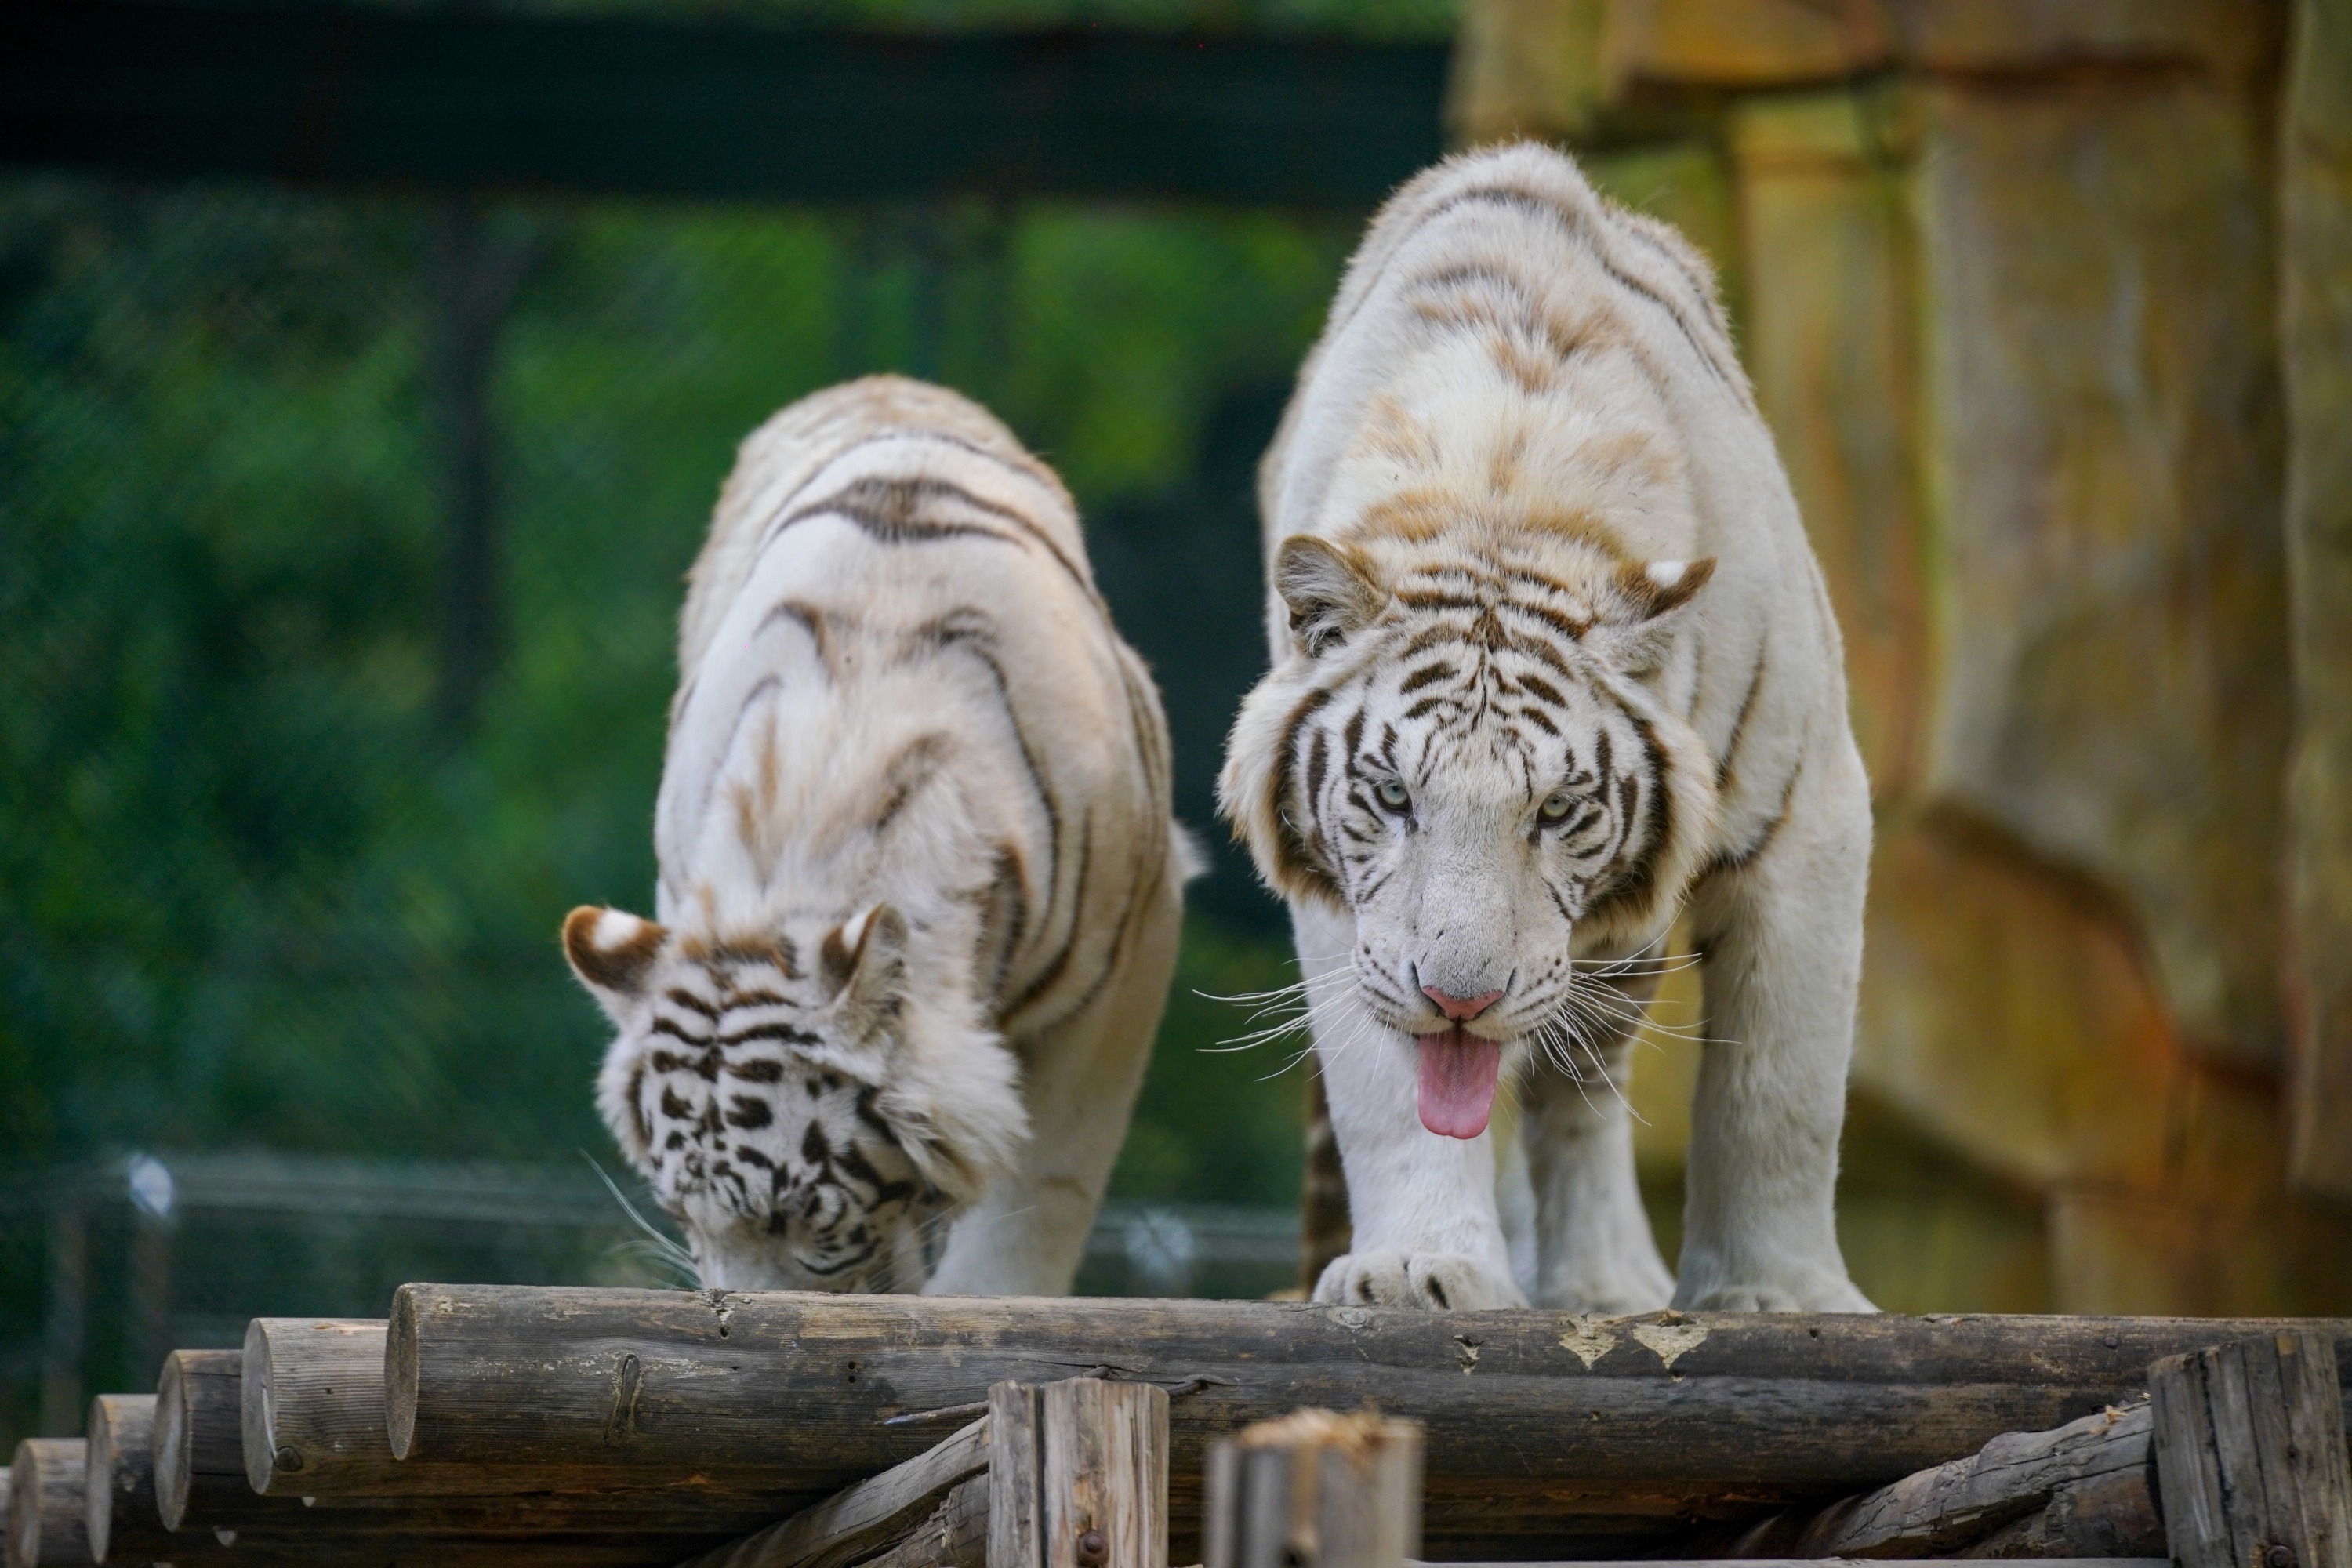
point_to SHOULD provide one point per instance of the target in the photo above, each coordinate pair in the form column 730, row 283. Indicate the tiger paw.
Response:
column 1825, row 1292
column 1429, row 1281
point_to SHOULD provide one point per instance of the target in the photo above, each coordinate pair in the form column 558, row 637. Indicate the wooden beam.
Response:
column 2103, row 1459
column 955, row 1536
column 2250, row 1452
column 858, row 1522
column 48, row 1513
column 1078, row 1475
column 1316, row 1489
column 1541, row 1426
column 626, row 105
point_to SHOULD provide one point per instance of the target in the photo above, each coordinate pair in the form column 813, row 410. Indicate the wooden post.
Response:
column 47, row 1514
column 2249, row 1454
column 1316, row 1490
column 1078, row 1475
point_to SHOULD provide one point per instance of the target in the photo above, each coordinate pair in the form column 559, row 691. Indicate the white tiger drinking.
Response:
column 919, row 890
column 1553, row 664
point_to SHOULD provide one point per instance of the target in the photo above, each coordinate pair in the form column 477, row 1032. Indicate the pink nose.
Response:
column 1461, row 1009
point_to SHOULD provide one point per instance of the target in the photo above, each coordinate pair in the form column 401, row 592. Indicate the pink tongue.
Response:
column 1457, row 1082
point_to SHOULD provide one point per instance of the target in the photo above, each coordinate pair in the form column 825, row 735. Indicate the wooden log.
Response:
column 48, row 1513
column 311, row 1410
column 1545, row 1432
column 1078, row 1475
column 200, row 1446
column 1314, row 1489
column 124, row 1523
column 858, row 1522
column 955, row 1536
column 1939, row 1512
column 2106, row 1516
column 311, row 1424
column 2249, row 1454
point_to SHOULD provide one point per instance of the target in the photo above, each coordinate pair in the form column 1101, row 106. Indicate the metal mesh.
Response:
column 340, row 546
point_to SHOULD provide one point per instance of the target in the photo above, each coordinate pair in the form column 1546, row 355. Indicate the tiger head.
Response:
column 1464, row 750
column 806, row 1114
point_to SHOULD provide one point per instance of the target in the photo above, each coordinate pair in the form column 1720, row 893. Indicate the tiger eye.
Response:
column 1554, row 809
column 1393, row 794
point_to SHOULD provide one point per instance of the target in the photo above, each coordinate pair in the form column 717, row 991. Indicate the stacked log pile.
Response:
column 525, row 1425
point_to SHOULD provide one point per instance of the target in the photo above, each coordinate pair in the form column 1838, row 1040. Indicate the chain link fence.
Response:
column 342, row 539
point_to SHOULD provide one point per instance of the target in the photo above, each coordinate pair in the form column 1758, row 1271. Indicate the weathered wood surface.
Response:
column 2108, row 1516
column 48, row 1513
column 1543, row 1427
column 1316, row 1489
column 2249, row 1454
column 1078, row 1475
column 204, row 1497
column 123, row 1522
column 311, row 1417
column 1939, row 1512
column 859, row 1520
column 119, row 1476
column 200, row 1447
column 955, row 1536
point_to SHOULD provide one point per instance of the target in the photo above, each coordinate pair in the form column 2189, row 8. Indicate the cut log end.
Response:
column 400, row 1375
column 121, row 1475
column 49, row 1510
column 172, row 1443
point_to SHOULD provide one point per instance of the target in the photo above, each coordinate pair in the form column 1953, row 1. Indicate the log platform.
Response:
column 479, row 1424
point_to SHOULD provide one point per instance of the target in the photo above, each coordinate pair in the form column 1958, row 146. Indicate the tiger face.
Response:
column 1462, row 752
column 774, row 1094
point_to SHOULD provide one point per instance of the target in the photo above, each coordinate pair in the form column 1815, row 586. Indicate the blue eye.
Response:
column 1393, row 795
column 1555, row 808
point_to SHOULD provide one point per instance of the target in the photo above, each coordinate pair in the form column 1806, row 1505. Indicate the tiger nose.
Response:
column 1461, row 1009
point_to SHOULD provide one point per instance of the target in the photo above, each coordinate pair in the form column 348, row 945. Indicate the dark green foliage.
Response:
column 251, row 893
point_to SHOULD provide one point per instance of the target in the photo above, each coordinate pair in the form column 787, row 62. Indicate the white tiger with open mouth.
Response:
column 1553, row 663
column 920, row 886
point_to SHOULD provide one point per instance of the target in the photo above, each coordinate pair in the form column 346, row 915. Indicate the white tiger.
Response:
column 1553, row 663
column 920, row 888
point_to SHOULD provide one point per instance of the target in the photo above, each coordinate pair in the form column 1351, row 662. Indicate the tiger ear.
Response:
column 612, row 953
column 1666, row 585
column 1650, row 601
column 863, row 961
column 1329, row 589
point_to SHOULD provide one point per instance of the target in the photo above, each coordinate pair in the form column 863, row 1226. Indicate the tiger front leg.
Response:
column 1783, row 936
column 1594, row 1252
column 1426, row 1230
column 1026, row 1234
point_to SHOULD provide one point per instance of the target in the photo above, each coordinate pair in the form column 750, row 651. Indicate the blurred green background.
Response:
column 342, row 541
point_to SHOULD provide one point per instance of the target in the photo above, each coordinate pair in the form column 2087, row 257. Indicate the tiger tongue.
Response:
column 1457, row 1082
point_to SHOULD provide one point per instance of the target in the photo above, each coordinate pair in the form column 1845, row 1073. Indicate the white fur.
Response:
column 1595, row 458
column 915, row 796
